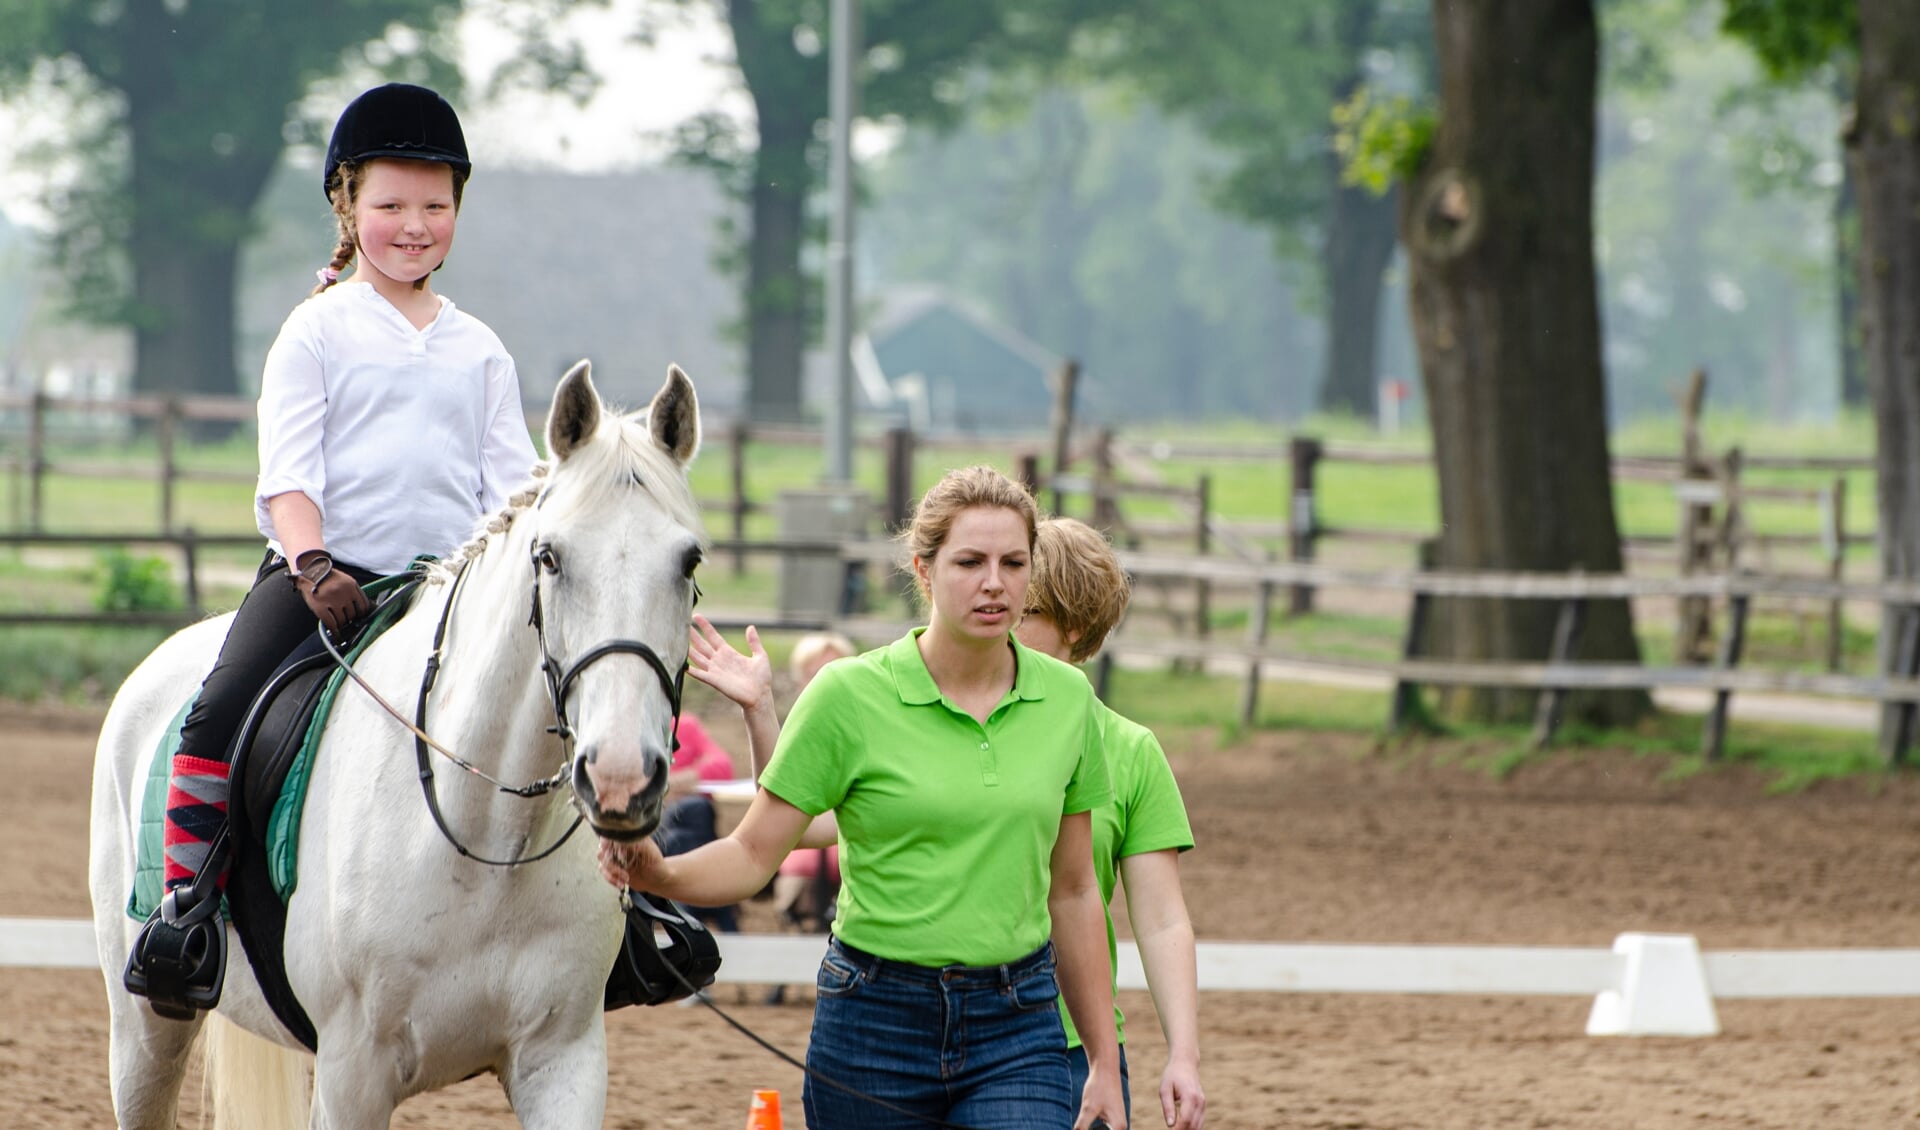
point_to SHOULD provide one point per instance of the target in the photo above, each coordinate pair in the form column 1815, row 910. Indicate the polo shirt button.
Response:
column 983, row 745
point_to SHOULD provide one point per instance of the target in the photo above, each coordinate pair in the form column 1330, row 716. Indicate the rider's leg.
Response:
column 271, row 622
column 179, row 959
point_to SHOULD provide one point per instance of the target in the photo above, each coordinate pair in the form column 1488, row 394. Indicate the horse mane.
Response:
column 621, row 455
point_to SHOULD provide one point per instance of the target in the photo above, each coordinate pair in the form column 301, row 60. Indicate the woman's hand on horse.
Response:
column 747, row 680
column 626, row 864
column 335, row 598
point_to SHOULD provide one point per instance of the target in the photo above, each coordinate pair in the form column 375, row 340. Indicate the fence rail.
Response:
column 1553, row 677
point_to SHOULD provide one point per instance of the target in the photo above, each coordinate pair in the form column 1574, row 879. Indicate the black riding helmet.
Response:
column 396, row 120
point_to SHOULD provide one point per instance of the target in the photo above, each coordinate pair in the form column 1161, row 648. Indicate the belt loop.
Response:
column 1006, row 976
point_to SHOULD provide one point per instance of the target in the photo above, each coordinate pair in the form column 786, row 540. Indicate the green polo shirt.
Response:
column 1146, row 815
column 947, row 826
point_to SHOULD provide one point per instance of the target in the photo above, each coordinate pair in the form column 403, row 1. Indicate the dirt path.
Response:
column 1304, row 837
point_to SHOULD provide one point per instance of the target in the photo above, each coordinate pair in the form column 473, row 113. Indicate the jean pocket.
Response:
column 838, row 977
column 1037, row 991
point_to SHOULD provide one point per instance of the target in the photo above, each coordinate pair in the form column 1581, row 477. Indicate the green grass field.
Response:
column 80, row 664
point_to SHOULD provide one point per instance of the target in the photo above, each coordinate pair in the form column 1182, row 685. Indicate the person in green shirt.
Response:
column 963, row 769
column 1076, row 596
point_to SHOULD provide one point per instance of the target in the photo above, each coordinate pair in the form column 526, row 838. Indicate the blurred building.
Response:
column 935, row 364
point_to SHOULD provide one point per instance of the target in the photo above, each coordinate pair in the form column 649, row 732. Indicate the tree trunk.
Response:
column 190, row 198
column 1359, row 245
column 1884, row 146
column 778, row 312
column 1499, row 230
column 1846, row 287
column 789, row 96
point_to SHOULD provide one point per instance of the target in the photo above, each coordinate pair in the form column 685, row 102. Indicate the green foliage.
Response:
column 76, row 664
column 1381, row 141
column 1260, row 80
column 1085, row 225
column 1795, row 38
column 1714, row 230
column 135, row 584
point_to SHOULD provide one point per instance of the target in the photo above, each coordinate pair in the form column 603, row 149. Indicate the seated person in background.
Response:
column 688, row 818
column 809, row 880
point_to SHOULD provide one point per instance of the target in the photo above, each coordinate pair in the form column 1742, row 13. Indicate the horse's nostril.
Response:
column 582, row 780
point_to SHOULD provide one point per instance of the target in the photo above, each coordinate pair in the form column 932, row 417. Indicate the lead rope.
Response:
column 824, row 1080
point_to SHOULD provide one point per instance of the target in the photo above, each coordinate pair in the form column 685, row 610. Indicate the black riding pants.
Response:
column 272, row 621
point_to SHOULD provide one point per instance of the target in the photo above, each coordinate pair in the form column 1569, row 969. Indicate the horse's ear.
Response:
column 575, row 414
column 674, row 417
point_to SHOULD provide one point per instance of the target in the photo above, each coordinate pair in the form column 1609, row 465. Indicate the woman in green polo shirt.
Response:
column 1077, row 594
column 963, row 768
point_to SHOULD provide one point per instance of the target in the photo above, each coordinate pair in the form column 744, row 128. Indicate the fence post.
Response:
column 899, row 477
column 1064, row 379
column 1566, row 639
column 1733, row 520
column 164, row 430
column 737, row 506
column 1256, row 639
column 1106, row 509
column 1405, row 703
column 1302, row 526
column 1029, row 472
column 1202, row 542
column 1730, row 646
column 1895, row 737
column 36, row 459
column 1696, row 612
column 1834, row 531
column 190, row 559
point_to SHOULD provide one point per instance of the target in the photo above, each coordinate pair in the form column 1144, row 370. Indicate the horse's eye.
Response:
column 544, row 557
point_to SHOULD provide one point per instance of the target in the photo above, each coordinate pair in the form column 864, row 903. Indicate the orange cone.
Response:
column 764, row 1114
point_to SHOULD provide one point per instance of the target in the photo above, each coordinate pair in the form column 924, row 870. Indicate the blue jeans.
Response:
column 980, row 1047
column 1077, row 1064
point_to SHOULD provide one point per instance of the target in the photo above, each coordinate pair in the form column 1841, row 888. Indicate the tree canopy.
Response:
column 190, row 107
column 915, row 61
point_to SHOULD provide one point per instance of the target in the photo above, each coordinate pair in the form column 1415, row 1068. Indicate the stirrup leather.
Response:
column 179, row 961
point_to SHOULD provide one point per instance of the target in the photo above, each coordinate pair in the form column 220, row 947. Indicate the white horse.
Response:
column 420, row 967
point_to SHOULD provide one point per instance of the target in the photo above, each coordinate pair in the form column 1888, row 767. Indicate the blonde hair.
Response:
column 1077, row 583
column 817, row 650
column 345, row 190
column 963, row 488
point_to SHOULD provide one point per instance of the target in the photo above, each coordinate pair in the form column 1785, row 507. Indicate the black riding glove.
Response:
column 336, row 598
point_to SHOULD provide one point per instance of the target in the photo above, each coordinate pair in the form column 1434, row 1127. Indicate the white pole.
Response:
column 842, row 51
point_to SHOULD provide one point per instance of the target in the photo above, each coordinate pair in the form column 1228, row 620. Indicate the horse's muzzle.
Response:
column 612, row 805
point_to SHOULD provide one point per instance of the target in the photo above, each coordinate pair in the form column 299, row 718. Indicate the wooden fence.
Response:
column 1553, row 677
column 43, row 414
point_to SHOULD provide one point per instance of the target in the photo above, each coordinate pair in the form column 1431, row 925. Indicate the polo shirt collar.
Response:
column 915, row 683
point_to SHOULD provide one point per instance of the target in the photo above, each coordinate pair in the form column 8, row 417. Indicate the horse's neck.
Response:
column 489, row 702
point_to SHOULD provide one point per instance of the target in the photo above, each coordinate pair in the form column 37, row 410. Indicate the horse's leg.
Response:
column 354, row 1085
column 146, row 1062
column 559, row 1086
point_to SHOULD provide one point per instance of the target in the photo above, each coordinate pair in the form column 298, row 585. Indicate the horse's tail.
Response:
column 256, row 1084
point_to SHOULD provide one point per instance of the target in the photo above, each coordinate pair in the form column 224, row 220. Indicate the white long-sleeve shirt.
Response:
column 401, row 437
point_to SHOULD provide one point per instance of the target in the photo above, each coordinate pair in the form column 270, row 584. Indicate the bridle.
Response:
column 559, row 678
